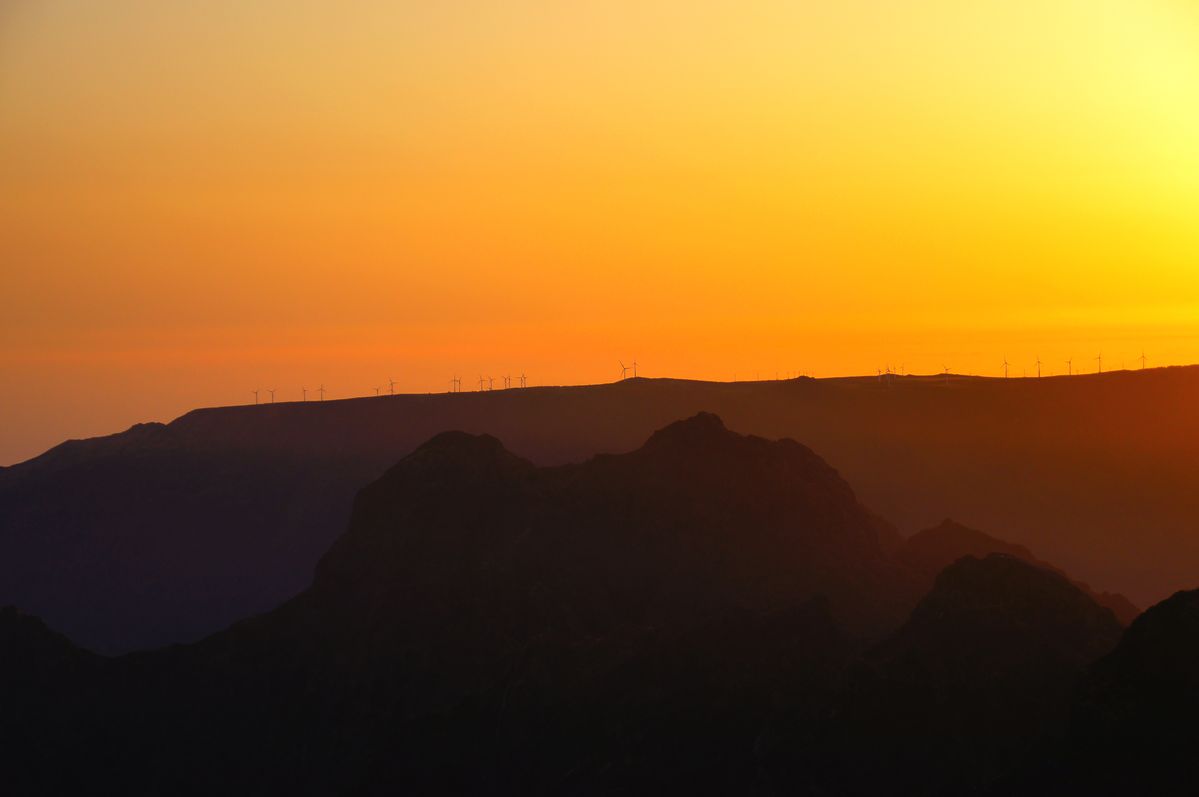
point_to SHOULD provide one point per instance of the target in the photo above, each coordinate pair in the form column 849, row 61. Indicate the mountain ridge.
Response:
column 171, row 532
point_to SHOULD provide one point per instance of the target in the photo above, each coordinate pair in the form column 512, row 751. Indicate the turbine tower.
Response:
column 634, row 369
column 392, row 385
column 272, row 392
column 624, row 370
column 1005, row 367
column 1143, row 359
column 321, row 390
column 255, row 392
column 1038, row 366
column 304, row 391
column 1100, row 359
column 1070, row 367
column 377, row 389
column 523, row 383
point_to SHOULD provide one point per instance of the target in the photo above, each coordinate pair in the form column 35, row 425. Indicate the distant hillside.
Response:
column 932, row 550
column 167, row 532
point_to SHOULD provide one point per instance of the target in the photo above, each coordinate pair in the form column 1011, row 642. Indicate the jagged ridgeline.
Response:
column 168, row 533
column 710, row 613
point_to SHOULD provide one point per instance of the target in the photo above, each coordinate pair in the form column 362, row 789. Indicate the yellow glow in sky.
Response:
column 198, row 199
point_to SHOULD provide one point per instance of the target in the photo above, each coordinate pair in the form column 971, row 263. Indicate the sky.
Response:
column 202, row 199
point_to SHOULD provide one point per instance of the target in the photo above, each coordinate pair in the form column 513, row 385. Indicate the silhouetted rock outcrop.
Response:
column 46, row 685
column 485, row 624
column 689, row 617
column 970, row 686
column 1135, row 723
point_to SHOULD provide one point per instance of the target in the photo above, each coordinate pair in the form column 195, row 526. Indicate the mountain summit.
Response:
column 473, row 591
column 695, row 615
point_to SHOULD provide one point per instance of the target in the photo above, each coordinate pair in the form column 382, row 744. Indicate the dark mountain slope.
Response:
column 487, row 625
column 1135, row 724
column 164, row 533
column 968, row 689
column 46, row 706
column 638, row 623
column 932, row 550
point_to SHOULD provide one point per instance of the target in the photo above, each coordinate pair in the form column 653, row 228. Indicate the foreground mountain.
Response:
column 693, row 616
column 1133, row 728
column 485, row 624
column 166, row 533
column 970, row 688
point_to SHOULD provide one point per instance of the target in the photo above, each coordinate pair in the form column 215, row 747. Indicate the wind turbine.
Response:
column 624, row 370
column 377, row 389
column 304, row 390
column 522, row 379
column 1038, row 366
column 634, row 369
column 491, row 383
column 507, row 382
column 946, row 373
column 1100, row 359
column 1143, row 359
column 1070, row 367
column 480, row 383
column 321, row 390
column 1005, row 367
column 392, row 384
column 255, row 392
column 272, row 392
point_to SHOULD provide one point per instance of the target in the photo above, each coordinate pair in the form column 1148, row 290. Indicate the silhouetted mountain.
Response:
column 487, row 625
column 968, row 688
column 165, row 533
column 932, row 550
column 687, row 617
column 1134, row 728
column 47, row 683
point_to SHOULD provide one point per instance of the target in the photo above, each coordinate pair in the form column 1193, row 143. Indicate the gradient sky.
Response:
column 197, row 199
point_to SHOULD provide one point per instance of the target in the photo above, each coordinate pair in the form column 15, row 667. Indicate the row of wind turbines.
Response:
column 488, row 383
column 1143, row 360
column 303, row 393
column 485, row 383
column 889, row 372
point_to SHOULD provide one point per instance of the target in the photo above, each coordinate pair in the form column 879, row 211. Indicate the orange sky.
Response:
column 197, row 199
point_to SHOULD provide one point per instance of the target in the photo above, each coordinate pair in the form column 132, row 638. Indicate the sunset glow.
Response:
column 197, row 200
